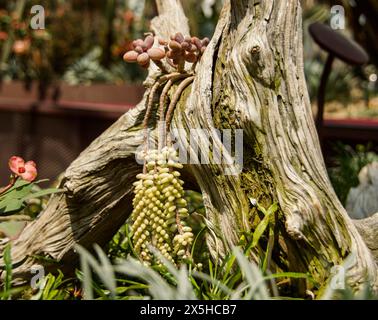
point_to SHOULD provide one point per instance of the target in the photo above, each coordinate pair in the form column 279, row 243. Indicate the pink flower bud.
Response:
column 139, row 49
column 179, row 37
column 149, row 42
column 21, row 46
column 174, row 45
column 156, row 54
column 143, row 59
column 137, row 42
column 197, row 42
column 205, row 41
column 193, row 48
column 130, row 56
column 185, row 45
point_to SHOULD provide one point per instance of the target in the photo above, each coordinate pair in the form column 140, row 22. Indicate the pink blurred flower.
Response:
column 25, row 170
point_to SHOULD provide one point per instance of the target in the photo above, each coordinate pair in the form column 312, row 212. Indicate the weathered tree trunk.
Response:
column 251, row 78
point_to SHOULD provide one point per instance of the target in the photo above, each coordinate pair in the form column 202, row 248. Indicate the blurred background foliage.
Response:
column 347, row 164
column 84, row 41
column 351, row 91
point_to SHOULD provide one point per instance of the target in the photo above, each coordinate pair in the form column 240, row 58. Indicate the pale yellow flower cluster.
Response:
column 160, row 209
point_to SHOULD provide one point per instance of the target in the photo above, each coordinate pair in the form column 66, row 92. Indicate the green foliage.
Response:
column 209, row 280
column 88, row 69
column 21, row 203
column 103, row 269
column 235, row 277
column 170, row 283
column 121, row 246
column 8, row 272
column 14, row 200
column 7, row 290
column 347, row 165
column 261, row 227
column 341, row 78
column 117, row 274
column 52, row 288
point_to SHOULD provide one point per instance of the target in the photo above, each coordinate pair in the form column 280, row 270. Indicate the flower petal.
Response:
column 15, row 163
column 30, row 171
column 30, row 163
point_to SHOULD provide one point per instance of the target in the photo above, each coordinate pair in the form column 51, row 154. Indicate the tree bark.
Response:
column 251, row 77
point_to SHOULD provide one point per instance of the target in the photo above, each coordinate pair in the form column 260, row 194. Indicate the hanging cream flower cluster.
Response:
column 160, row 214
column 160, row 209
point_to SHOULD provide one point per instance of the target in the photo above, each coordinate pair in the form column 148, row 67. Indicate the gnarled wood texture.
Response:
column 251, row 77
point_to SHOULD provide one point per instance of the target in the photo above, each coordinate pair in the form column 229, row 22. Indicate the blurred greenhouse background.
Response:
column 99, row 34
column 101, row 31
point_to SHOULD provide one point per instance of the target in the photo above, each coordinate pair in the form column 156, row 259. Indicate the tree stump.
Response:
column 251, row 77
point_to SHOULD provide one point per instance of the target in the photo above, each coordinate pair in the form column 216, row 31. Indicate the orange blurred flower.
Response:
column 3, row 35
column 21, row 46
column 129, row 16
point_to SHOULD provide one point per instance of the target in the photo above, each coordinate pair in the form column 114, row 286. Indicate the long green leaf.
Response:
column 48, row 293
column 261, row 227
column 273, row 208
column 11, row 201
column 8, row 206
column 8, row 272
column 42, row 193
column 17, row 193
column 269, row 247
column 18, row 184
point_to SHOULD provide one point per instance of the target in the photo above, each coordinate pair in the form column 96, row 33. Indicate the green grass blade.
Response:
column 8, row 272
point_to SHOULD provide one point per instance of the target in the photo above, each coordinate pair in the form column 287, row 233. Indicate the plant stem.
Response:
column 161, row 66
column 10, row 185
column 149, row 109
column 174, row 101
column 163, row 100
